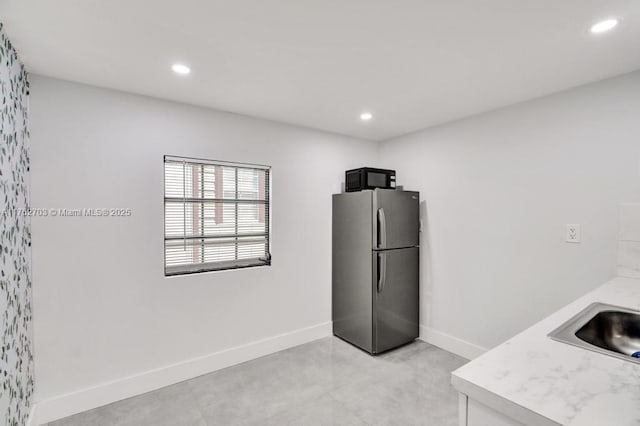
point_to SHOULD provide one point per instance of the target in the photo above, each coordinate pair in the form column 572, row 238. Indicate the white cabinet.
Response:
column 474, row 413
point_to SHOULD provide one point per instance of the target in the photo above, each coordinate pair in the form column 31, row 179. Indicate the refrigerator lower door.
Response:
column 396, row 298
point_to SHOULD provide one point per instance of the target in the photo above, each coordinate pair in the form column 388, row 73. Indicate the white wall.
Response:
column 499, row 189
column 104, row 310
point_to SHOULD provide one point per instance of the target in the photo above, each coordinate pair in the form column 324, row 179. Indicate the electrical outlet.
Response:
column 573, row 233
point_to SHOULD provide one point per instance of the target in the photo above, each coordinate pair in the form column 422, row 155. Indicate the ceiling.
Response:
column 320, row 63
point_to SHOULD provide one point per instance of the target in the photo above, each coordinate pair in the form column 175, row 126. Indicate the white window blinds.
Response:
column 216, row 215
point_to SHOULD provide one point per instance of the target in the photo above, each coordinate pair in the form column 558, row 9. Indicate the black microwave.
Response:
column 369, row 178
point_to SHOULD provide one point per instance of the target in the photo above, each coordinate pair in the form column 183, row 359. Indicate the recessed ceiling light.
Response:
column 603, row 26
column 366, row 116
column 181, row 69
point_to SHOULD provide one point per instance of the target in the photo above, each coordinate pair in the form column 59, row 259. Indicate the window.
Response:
column 216, row 215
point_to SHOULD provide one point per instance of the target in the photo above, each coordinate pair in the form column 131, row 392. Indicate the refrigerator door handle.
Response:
column 382, row 229
column 382, row 272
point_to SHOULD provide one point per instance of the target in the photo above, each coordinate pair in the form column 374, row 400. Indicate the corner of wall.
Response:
column 629, row 241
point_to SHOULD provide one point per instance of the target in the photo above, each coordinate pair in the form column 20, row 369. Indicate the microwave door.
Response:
column 396, row 219
column 377, row 180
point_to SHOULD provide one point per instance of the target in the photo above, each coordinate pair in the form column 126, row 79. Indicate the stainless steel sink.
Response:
column 610, row 330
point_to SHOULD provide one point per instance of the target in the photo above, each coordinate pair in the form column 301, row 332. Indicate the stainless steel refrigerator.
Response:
column 375, row 268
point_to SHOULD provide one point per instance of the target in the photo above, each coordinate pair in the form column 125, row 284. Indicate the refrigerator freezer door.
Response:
column 396, row 219
column 396, row 298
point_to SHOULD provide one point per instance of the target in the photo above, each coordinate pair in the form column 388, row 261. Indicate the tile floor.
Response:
column 325, row 382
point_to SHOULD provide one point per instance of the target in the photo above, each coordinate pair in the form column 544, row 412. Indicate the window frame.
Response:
column 208, row 267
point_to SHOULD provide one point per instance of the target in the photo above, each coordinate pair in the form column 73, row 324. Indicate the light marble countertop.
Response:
column 539, row 381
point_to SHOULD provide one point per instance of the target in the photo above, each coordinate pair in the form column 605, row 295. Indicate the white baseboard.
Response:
column 449, row 343
column 105, row 393
column 32, row 421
